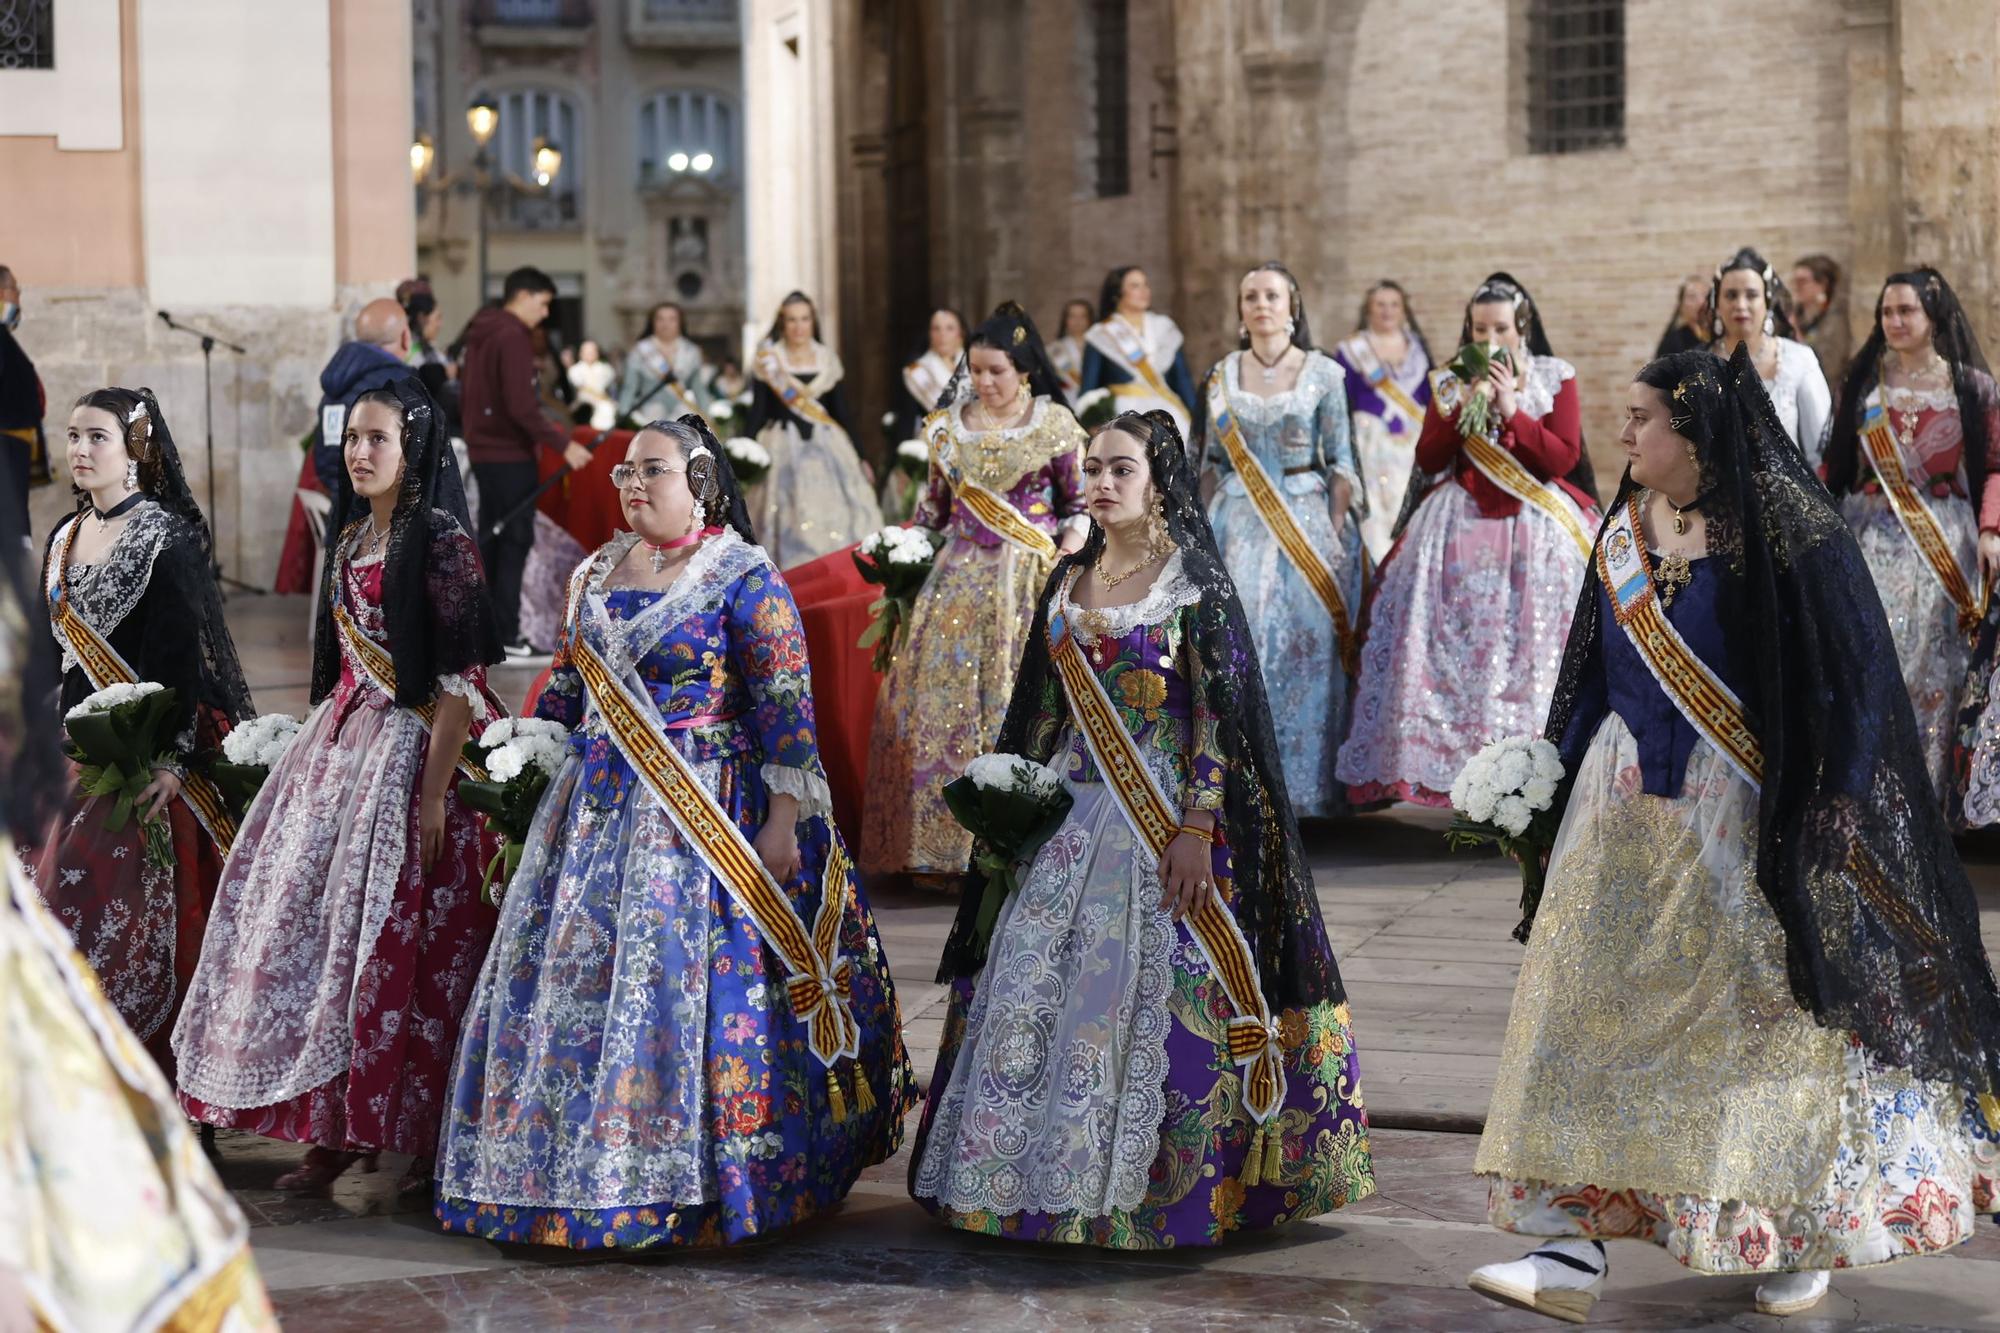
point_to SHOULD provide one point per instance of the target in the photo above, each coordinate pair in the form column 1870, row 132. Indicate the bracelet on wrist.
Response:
column 1207, row 835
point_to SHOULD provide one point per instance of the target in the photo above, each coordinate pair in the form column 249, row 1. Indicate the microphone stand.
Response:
column 209, row 342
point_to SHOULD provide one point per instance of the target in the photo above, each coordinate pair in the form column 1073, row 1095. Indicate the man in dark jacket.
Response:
column 22, row 404
column 374, row 360
column 504, row 425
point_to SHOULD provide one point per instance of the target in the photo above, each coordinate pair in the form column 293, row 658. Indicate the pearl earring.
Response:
column 131, row 474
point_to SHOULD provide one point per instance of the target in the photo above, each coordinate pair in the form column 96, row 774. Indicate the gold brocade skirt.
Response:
column 1654, row 1042
column 942, row 703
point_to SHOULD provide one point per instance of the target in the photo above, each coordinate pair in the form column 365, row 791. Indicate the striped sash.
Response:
column 1383, row 382
column 793, row 394
column 818, row 980
column 1709, row 705
column 376, row 664
column 106, row 667
column 1918, row 521
column 1277, row 516
column 1252, row 1035
column 1132, row 349
column 990, row 507
column 1505, row 471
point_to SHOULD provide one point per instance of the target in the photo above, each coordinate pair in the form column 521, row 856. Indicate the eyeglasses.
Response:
column 624, row 476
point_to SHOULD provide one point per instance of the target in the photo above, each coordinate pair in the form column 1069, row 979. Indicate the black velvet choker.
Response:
column 125, row 505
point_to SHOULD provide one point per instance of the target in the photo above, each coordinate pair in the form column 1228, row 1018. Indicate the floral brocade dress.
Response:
column 326, row 1004
column 1300, row 437
column 1084, row 1093
column 1652, row 1090
column 946, row 693
column 632, row 1074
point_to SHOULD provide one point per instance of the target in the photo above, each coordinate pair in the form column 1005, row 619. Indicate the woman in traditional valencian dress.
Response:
column 1136, row 352
column 819, row 496
column 1751, row 310
column 115, row 1220
column 1910, row 461
column 349, row 927
column 927, row 376
column 648, row 1060
column 1388, row 387
column 1275, row 429
column 1475, row 597
column 130, row 597
column 664, row 376
column 1152, row 1050
column 1754, row 1021
column 1006, row 493
column 1066, row 349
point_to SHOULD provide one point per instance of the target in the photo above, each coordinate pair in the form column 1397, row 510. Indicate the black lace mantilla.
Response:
column 1881, row 926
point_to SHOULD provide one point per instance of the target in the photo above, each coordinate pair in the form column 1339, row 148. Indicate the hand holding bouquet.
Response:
column 749, row 460
column 897, row 560
column 117, row 737
column 1505, row 797
column 1012, row 806
column 249, row 752
column 521, row 755
column 1474, row 363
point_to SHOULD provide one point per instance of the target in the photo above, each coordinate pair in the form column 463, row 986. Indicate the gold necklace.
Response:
column 1681, row 512
column 1109, row 580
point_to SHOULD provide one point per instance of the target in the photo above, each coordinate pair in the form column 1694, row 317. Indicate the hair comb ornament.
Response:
column 138, row 410
column 1020, row 334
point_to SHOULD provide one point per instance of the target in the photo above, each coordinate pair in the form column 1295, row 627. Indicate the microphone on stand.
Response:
column 166, row 319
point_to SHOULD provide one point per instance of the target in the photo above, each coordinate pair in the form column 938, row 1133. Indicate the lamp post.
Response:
column 482, row 177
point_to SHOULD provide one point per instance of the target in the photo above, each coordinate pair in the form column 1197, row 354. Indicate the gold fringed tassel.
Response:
column 834, row 1099
column 1274, row 1152
column 1253, row 1162
column 864, row 1096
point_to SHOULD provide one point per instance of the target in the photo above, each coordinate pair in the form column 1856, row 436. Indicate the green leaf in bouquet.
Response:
column 239, row 783
column 488, row 798
column 100, row 739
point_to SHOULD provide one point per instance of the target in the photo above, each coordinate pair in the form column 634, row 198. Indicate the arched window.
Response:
column 525, row 116
column 684, row 134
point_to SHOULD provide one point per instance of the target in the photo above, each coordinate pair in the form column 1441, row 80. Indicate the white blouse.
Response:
column 1800, row 395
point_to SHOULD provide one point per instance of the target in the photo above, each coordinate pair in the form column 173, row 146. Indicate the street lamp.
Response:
column 702, row 161
column 482, row 177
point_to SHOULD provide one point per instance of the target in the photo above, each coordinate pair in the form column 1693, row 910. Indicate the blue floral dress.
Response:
column 631, row 1073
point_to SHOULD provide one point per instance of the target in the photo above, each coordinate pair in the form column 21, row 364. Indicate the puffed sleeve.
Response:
column 1336, row 439
column 1066, row 488
column 1438, row 442
column 1548, row 446
column 768, row 646
column 933, row 509
column 1815, row 403
column 1206, row 767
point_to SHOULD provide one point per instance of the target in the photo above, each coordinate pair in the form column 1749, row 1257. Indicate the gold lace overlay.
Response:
column 1654, row 1042
column 999, row 459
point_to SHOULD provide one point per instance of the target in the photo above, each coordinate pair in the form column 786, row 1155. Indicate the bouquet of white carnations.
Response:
column 749, row 460
column 1472, row 364
column 249, row 752
column 913, row 457
column 721, row 411
column 1505, row 797
column 521, row 755
column 1012, row 805
column 117, row 737
column 897, row 560
column 1095, row 408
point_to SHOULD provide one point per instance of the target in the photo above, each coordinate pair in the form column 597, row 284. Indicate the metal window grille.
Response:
column 1576, row 75
column 685, row 123
column 1110, row 59
column 525, row 116
column 27, row 34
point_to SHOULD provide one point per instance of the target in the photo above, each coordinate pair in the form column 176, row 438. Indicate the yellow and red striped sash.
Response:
column 1133, row 350
column 1505, row 471
column 1391, row 392
column 1252, row 1035
column 991, row 508
column 1277, row 516
column 379, row 667
column 1709, row 705
column 793, row 394
column 105, row 667
column 1886, row 456
column 819, row 978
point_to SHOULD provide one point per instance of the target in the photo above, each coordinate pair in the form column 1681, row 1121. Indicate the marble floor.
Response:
column 1423, row 946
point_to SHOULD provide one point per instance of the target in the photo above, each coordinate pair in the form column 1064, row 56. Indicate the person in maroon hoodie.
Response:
column 504, row 423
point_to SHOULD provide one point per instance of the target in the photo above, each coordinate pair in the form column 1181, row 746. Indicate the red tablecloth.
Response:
column 295, row 560
column 833, row 603
column 585, row 504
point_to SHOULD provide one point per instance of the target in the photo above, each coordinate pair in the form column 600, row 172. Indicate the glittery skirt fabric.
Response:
column 815, row 499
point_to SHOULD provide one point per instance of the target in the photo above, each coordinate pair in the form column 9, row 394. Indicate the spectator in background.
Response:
column 22, row 403
column 437, row 370
column 729, row 381
column 376, row 358
column 504, row 424
column 592, row 376
column 1688, row 329
column 1819, row 316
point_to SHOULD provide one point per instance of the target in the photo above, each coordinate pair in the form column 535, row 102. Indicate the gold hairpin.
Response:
column 1020, row 334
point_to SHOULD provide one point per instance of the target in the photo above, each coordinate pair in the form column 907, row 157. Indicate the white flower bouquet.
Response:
column 521, row 756
column 721, row 410
column 749, row 460
column 117, row 737
column 1011, row 805
column 1505, row 797
column 897, row 560
column 1095, row 408
column 249, row 752
column 913, row 458
column 1472, row 364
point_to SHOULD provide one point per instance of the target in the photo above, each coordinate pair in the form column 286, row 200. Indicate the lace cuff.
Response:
column 462, row 686
column 814, row 796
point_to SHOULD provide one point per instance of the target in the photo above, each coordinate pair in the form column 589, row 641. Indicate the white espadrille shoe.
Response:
column 1561, row 1279
column 1793, row 1293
